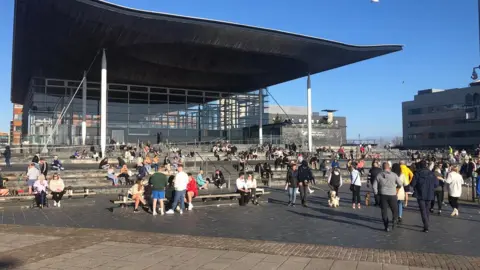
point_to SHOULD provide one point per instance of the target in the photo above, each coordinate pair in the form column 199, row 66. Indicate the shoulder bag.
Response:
column 352, row 185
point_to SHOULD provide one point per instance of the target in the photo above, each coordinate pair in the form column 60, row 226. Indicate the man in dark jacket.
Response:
column 304, row 176
column 372, row 174
column 424, row 183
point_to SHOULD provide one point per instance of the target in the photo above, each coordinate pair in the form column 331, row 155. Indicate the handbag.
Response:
column 352, row 185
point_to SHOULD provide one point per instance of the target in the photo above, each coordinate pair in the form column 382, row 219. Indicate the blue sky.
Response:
column 441, row 46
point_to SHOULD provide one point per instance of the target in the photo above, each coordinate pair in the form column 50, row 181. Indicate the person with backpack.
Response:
column 304, row 176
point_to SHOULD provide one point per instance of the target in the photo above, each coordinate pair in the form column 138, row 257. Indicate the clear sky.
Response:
column 441, row 39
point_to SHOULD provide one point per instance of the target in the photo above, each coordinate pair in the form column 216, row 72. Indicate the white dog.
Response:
column 333, row 201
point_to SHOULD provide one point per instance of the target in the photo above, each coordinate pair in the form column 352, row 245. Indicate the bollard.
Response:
column 124, row 198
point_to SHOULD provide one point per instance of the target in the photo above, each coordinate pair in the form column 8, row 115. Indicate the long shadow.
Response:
column 335, row 212
column 335, row 220
column 8, row 263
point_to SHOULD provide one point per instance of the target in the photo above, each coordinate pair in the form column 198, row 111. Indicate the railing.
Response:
column 204, row 162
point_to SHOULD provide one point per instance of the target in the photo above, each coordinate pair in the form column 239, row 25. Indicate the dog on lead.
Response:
column 333, row 199
column 367, row 199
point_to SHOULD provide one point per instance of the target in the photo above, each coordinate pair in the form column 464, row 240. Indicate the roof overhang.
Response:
column 59, row 39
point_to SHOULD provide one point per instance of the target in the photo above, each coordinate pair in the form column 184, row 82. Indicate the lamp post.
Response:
column 474, row 73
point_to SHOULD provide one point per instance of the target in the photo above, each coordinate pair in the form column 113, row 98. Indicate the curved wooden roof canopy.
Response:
column 59, row 38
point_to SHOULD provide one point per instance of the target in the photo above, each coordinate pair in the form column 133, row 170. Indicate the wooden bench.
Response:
column 68, row 193
column 259, row 192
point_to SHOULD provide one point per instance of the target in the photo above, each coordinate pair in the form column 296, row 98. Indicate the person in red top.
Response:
column 360, row 166
column 192, row 191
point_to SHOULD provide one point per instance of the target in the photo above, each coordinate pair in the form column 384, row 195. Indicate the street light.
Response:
column 474, row 73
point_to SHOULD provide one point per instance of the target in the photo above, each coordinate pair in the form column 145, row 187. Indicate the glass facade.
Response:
column 136, row 113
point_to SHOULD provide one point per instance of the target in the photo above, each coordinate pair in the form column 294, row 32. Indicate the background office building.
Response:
column 438, row 118
column 288, row 124
column 16, row 125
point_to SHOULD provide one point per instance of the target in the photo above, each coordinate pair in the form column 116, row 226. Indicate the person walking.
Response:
column 385, row 185
column 401, row 196
column 355, row 186
column 291, row 185
column 438, row 190
column 424, row 183
column 304, row 177
column 408, row 178
column 455, row 182
column 335, row 180
column 372, row 174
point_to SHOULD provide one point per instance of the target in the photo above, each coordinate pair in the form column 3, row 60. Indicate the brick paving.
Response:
column 78, row 248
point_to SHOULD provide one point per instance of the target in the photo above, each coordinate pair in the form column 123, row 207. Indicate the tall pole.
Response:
column 309, row 112
column 84, row 108
column 260, row 124
column 103, row 106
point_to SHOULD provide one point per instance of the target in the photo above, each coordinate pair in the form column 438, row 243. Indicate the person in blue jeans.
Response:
column 292, row 184
column 180, row 184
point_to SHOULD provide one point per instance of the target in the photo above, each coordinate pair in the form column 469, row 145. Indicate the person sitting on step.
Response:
column 136, row 193
column 40, row 189
column 111, row 175
column 57, row 187
column 218, row 179
column 192, row 191
column 56, row 164
column 201, row 183
column 104, row 164
column 125, row 174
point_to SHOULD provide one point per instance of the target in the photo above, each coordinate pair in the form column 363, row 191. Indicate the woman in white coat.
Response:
column 455, row 182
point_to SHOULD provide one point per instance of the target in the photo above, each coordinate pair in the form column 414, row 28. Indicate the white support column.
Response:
column 260, row 124
column 103, row 105
column 84, row 108
column 309, row 112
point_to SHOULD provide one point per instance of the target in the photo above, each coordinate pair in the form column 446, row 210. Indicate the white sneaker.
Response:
column 311, row 191
column 178, row 208
column 54, row 203
column 181, row 212
column 162, row 212
column 298, row 191
column 154, row 213
column 58, row 204
column 169, row 212
column 190, row 207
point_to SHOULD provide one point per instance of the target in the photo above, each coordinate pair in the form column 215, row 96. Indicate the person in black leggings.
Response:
column 355, row 186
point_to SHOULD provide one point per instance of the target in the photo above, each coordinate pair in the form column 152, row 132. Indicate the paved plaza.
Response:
column 307, row 238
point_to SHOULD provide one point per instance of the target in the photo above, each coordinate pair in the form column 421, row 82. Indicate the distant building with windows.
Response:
column 16, row 125
column 288, row 124
column 438, row 118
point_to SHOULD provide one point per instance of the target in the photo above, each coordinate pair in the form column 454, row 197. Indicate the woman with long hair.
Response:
column 57, row 186
column 401, row 196
column 136, row 194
